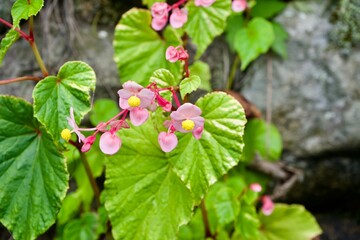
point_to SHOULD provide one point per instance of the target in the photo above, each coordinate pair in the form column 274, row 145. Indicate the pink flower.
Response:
column 74, row 126
column 136, row 99
column 172, row 55
column 204, row 3
column 239, row 5
column 167, row 141
column 187, row 119
column 267, row 205
column 178, row 17
column 255, row 187
column 159, row 10
column 110, row 143
column 159, row 23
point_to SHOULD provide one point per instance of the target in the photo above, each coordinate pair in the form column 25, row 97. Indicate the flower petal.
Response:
column 109, row 143
column 123, row 103
column 132, row 86
column 186, row 111
column 146, row 97
column 197, row 132
column 167, row 141
column 138, row 116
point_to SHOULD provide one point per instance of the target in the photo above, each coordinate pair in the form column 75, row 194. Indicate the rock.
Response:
column 316, row 92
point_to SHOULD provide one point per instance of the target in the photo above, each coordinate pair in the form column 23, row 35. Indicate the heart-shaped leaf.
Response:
column 23, row 9
column 190, row 84
column 33, row 173
column 54, row 95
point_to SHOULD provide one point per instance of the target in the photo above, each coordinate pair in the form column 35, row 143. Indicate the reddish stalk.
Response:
column 176, row 5
column 22, row 34
column 19, row 79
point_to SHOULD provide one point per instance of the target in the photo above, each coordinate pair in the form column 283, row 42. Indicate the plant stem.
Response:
column 205, row 220
column 176, row 5
column 19, row 79
column 31, row 40
column 90, row 177
column 234, row 67
column 22, row 34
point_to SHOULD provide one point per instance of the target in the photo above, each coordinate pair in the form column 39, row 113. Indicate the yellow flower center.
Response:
column 188, row 125
column 134, row 101
column 66, row 134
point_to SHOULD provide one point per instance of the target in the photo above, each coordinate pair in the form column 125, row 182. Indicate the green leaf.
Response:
column 189, row 85
column 254, row 40
column 33, row 173
column 84, row 228
column 262, row 138
column 139, row 50
column 205, row 23
column 247, row 223
column 279, row 45
column 199, row 163
column 103, row 110
column 149, row 3
column 223, row 201
column 195, row 229
column 70, row 207
column 289, row 222
column 202, row 69
column 53, row 96
column 9, row 39
column 23, row 9
column 235, row 23
column 144, row 197
column 267, row 8
column 164, row 78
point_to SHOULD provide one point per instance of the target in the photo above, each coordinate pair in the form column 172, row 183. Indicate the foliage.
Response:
column 172, row 167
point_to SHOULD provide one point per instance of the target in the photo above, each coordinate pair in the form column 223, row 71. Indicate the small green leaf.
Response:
column 70, row 208
column 23, row 9
column 289, row 222
column 33, row 173
column 144, row 197
column 202, row 69
column 84, row 228
column 103, row 110
column 189, row 85
column 139, row 50
column 267, row 8
column 149, row 3
column 247, row 223
column 254, row 40
column 53, row 96
column 199, row 163
column 9, row 39
column 164, row 78
column 279, row 45
column 205, row 23
column 194, row 230
column 262, row 138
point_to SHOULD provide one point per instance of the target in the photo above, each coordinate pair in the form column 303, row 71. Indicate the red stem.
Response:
column 176, row 5
column 175, row 98
column 22, row 34
column 25, row 78
column 186, row 68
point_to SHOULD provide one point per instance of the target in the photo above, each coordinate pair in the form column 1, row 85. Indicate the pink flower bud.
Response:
column 88, row 142
column 255, row 187
column 109, row 143
column 267, row 205
column 204, row 3
column 159, row 10
column 165, row 104
column 178, row 17
column 167, row 141
column 172, row 55
column 159, row 23
column 239, row 5
column 183, row 55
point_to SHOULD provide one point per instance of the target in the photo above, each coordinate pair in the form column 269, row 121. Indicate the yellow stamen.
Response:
column 134, row 101
column 66, row 134
column 188, row 125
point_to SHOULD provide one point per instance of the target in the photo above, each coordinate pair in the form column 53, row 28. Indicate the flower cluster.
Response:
column 136, row 101
column 160, row 13
column 239, row 5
